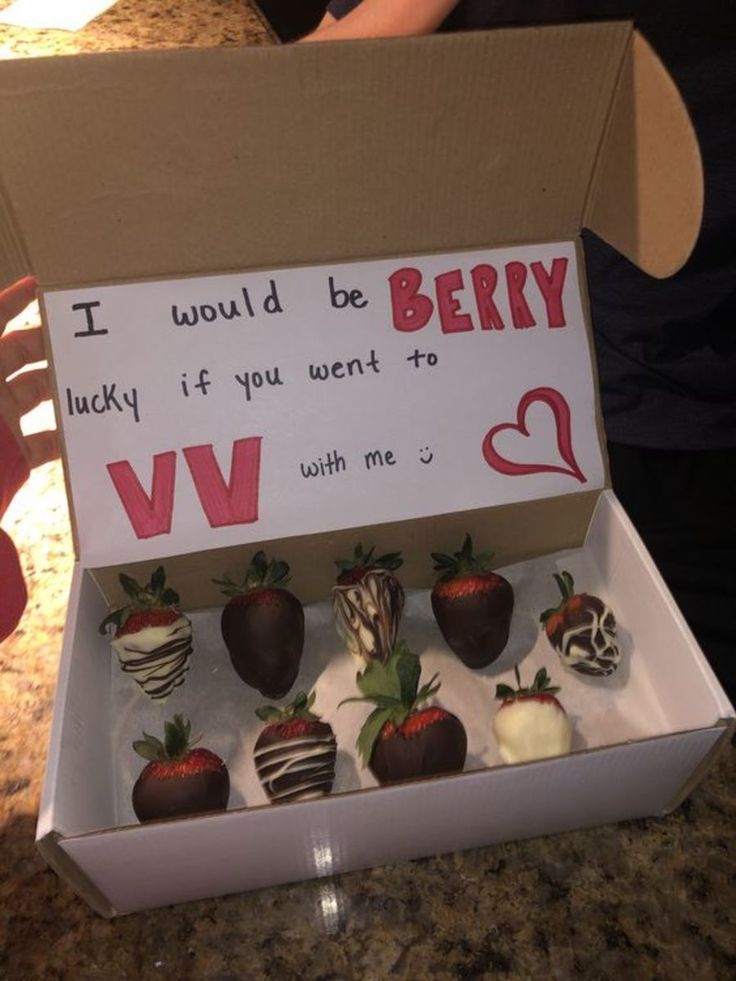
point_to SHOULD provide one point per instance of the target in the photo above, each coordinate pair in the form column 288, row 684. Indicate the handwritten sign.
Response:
column 235, row 408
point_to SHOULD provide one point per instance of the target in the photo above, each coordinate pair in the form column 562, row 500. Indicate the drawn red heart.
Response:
column 561, row 412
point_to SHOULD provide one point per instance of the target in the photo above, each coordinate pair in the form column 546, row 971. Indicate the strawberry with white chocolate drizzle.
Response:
column 295, row 752
column 530, row 723
column 582, row 629
column 153, row 638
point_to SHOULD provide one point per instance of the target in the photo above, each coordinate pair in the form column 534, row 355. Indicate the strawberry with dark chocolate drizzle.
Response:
column 295, row 752
column 263, row 627
column 582, row 629
column 472, row 605
column 367, row 602
column 402, row 737
column 153, row 638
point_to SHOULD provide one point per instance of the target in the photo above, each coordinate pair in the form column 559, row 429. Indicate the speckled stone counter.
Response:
column 646, row 899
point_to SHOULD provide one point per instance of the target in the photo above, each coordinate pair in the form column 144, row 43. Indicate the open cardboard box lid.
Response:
column 174, row 164
column 150, row 165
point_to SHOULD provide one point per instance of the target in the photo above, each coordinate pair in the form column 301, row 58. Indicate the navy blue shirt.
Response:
column 666, row 349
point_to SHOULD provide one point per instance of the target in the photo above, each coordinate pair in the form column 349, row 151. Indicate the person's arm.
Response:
column 19, row 393
column 22, row 390
column 384, row 18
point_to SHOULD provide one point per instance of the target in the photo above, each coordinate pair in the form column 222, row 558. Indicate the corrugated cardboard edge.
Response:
column 560, row 522
column 701, row 771
column 319, row 155
column 646, row 194
column 57, row 859
column 68, row 870
column 58, row 414
column 12, row 245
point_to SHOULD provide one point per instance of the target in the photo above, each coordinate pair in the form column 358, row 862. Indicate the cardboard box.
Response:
column 175, row 176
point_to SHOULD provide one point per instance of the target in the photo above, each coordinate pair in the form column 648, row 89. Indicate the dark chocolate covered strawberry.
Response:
column 179, row 778
column 263, row 627
column 295, row 752
column 472, row 605
column 582, row 629
column 368, row 601
column 531, row 724
column 402, row 737
column 153, row 638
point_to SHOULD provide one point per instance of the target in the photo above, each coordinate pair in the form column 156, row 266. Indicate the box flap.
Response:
column 647, row 191
column 172, row 162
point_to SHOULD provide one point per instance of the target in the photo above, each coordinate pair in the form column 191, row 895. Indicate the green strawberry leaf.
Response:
column 279, row 572
column 169, row 597
column 370, row 731
column 144, row 748
column 176, row 736
column 426, row 691
column 565, row 584
column 116, row 618
column 129, row 585
column 380, row 679
column 505, row 692
column 158, row 580
column 383, row 701
column 390, row 561
column 150, row 748
column 268, row 713
column 408, row 670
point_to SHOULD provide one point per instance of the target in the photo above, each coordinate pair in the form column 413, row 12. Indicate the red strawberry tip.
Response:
column 415, row 722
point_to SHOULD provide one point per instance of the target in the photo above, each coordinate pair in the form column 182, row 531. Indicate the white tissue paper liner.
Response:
column 221, row 707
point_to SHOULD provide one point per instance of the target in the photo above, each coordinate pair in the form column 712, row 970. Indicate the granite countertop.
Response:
column 647, row 899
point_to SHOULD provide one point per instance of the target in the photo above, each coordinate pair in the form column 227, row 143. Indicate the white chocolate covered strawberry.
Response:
column 152, row 638
column 530, row 723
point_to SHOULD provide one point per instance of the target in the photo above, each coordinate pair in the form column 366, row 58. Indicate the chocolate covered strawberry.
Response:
column 403, row 737
column 530, row 723
column 582, row 629
column 368, row 601
column 152, row 638
column 180, row 778
column 263, row 627
column 472, row 605
column 295, row 752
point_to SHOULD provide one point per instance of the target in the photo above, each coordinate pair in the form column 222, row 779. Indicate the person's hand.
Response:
column 384, row 18
column 25, row 391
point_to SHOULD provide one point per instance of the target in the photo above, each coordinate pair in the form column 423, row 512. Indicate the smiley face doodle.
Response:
column 426, row 455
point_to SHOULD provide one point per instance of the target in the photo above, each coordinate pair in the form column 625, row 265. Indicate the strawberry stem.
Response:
column 462, row 563
column 393, row 688
column 259, row 573
column 153, row 596
column 298, row 709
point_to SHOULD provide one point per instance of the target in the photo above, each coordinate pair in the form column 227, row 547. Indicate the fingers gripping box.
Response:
column 301, row 298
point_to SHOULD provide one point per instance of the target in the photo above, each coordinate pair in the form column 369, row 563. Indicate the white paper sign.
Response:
column 71, row 15
column 231, row 409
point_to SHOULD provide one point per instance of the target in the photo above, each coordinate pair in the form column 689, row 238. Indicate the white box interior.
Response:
column 664, row 685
